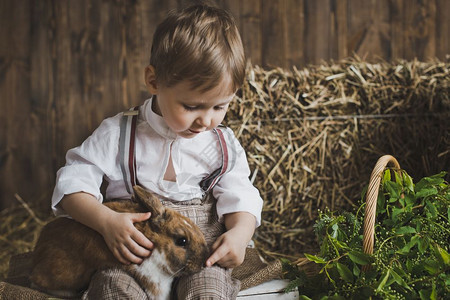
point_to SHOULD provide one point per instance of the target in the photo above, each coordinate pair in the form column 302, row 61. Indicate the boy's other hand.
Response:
column 128, row 244
column 228, row 250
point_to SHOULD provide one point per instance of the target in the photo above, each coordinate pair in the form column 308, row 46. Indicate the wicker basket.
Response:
column 309, row 267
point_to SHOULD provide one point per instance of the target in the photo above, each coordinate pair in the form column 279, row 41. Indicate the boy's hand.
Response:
column 127, row 243
column 228, row 250
column 123, row 239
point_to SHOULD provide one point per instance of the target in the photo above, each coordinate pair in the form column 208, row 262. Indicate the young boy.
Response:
column 197, row 64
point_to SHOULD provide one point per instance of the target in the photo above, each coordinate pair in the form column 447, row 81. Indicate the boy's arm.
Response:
column 229, row 248
column 126, row 242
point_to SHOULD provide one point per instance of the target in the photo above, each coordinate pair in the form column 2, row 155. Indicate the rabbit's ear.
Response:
column 149, row 200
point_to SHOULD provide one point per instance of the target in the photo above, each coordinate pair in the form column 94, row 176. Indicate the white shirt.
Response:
column 193, row 159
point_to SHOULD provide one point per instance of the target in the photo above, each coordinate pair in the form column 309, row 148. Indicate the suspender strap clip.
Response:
column 212, row 179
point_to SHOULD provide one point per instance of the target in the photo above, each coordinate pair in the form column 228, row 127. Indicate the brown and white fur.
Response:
column 68, row 253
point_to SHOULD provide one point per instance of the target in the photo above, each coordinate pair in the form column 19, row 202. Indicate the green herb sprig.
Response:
column 411, row 252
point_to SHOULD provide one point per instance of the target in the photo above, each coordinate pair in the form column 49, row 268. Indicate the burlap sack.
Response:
column 254, row 270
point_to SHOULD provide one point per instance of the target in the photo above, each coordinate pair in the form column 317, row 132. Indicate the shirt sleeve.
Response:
column 87, row 164
column 234, row 191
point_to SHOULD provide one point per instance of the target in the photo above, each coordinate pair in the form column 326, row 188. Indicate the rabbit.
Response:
column 67, row 253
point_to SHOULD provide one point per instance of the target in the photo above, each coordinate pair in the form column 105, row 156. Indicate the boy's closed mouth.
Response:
column 194, row 131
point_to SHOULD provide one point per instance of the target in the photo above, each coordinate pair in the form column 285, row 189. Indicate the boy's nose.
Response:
column 205, row 120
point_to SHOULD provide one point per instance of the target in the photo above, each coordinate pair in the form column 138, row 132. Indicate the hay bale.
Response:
column 313, row 135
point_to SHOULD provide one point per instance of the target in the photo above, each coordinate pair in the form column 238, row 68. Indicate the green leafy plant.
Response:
column 411, row 252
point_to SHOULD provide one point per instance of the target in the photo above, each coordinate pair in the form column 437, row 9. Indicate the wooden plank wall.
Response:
column 67, row 64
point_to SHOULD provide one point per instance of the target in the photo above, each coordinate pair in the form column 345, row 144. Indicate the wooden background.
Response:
column 67, row 64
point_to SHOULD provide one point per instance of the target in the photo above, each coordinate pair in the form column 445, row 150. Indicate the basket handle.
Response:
column 371, row 202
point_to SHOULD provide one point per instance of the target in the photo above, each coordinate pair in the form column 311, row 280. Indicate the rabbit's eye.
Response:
column 181, row 241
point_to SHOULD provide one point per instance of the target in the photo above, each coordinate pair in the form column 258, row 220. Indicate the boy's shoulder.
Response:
column 227, row 131
column 109, row 125
column 224, row 128
column 112, row 122
column 231, row 140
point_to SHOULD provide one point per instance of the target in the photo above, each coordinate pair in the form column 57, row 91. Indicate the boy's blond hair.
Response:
column 200, row 44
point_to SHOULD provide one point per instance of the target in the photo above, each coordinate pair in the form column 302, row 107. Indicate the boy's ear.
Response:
column 149, row 200
column 150, row 80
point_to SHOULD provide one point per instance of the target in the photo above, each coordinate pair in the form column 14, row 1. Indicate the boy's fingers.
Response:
column 120, row 257
column 138, row 250
column 216, row 256
column 139, row 217
column 138, row 236
column 226, row 263
column 217, row 243
column 142, row 240
column 129, row 256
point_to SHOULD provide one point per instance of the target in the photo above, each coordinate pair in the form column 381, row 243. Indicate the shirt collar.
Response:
column 156, row 121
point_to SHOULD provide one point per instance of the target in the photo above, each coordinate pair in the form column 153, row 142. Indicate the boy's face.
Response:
column 188, row 112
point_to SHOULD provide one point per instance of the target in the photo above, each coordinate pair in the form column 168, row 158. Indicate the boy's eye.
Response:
column 190, row 108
